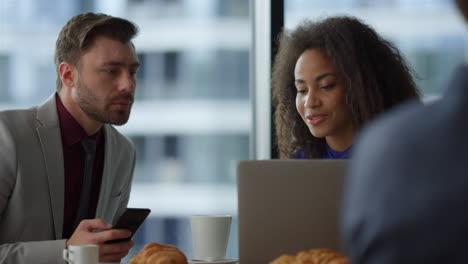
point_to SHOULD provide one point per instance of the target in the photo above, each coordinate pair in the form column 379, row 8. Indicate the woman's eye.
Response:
column 300, row 91
column 327, row 86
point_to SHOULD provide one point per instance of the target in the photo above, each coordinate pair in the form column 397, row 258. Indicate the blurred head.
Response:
column 369, row 70
column 463, row 7
column 96, row 64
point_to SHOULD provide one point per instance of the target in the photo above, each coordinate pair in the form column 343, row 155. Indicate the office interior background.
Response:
column 193, row 116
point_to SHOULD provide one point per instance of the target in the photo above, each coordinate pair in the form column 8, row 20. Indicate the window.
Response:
column 5, row 77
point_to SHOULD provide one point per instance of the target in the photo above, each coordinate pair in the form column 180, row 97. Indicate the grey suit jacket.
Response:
column 32, row 183
column 406, row 195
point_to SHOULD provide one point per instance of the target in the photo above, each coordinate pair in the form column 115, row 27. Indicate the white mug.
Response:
column 210, row 235
column 81, row 254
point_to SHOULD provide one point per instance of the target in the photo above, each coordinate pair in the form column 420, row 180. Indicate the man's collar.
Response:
column 72, row 132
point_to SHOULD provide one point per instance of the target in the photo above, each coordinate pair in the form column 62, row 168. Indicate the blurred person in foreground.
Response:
column 43, row 205
column 329, row 78
column 407, row 189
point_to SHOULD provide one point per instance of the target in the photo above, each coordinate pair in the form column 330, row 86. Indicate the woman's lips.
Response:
column 316, row 119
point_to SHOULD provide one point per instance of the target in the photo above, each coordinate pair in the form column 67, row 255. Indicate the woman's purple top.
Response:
column 328, row 154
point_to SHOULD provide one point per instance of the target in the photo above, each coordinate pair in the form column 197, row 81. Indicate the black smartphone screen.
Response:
column 131, row 219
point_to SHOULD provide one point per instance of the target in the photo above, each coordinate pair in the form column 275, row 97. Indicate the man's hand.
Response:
column 107, row 252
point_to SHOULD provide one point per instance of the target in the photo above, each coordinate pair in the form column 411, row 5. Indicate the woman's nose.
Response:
column 311, row 100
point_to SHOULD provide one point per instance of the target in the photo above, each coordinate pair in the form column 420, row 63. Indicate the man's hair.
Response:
column 81, row 30
column 374, row 73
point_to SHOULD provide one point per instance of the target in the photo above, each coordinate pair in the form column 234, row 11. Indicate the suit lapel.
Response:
column 50, row 138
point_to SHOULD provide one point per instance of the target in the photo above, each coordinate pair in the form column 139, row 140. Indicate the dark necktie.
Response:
column 89, row 146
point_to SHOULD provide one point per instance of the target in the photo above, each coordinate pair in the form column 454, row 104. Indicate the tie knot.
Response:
column 89, row 145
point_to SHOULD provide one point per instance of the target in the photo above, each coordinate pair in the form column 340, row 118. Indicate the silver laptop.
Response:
column 286, row 206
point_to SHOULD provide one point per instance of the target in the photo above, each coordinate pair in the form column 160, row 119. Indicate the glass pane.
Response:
column 191, row 120
column 430, row 34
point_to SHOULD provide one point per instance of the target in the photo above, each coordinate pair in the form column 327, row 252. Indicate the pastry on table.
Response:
column 154, row 253
column 313, row 256
column 321, row 256
column 284, row 259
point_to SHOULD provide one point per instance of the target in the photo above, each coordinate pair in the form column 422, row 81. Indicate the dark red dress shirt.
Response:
column 73, row 157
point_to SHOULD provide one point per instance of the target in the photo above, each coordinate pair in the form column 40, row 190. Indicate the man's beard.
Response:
column 90, row 104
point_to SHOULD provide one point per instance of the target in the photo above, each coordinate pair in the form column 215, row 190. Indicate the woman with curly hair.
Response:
column 329, row 78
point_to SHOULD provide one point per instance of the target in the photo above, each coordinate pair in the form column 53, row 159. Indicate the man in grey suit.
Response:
column 44, row 204
column 406, row 194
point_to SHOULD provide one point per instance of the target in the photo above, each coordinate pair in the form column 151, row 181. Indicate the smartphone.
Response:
column 131, row 219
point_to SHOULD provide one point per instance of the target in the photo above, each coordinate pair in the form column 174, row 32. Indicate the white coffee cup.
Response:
column 81, row 254
column 210, row 235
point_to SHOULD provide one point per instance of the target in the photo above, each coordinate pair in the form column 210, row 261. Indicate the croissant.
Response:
column 284, row 259
column 321, row 256
column 313, row 256
column 154, row 253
